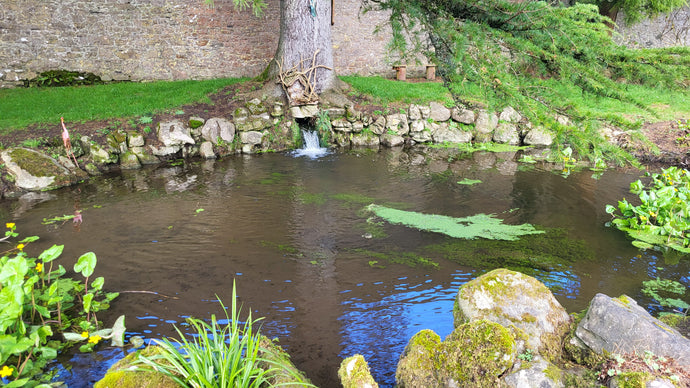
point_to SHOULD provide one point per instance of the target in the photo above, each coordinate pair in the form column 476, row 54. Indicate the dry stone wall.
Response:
column 166, row 39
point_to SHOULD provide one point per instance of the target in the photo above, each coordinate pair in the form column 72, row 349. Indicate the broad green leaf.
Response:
column 118, row 335
column 74, row 337
column 87, row 302
column 97, row 283
column 51, row 253
column 86, row 264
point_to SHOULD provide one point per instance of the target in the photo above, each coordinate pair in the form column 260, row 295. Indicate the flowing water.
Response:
column 292, row 234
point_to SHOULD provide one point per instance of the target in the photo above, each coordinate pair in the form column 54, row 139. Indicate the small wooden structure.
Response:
column 400, row 72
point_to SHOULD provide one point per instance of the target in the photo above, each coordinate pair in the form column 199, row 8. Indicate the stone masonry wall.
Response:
column 672, row 29
column 165, row 39
column 185, row 39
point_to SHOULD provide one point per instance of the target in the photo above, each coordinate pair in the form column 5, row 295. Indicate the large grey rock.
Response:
column 98, row 154
column 129, row 161
column 217, row 130
column 251, row 137
column 620, row 325
column 390, row 140
column 538, row 137
column 341, row 125
column 304, row 111
column 515, row 301
column 539, row 373
column 462, row 115
column 397, row 123
column 506, row 133
column 206, row 150
column 35, row 171
column 365, row 139
column 378, row 127
column 174, row 133
column 451, row 134
column 439, row 113
column 135, row 139
column 510, row 115
column 484, row 126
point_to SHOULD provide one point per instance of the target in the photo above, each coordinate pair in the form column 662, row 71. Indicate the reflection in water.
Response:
column 292, row 233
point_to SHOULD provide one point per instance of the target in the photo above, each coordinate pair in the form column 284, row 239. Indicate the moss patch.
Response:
column 354, row 373
column 417, row 367
column 476, row 353
column 123, row 374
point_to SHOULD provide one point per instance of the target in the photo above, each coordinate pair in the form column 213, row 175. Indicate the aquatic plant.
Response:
column 480, row 225
column 217, row 355
column 37, row 302
column 663, row 217
column 667, row 293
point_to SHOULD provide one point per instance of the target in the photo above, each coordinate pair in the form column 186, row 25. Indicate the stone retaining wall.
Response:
column 166, row 39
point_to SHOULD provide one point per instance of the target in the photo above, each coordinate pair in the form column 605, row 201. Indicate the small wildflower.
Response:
column 10, row 225
column 5, row 371
column 20, row 247
column 95, row 339
column 39, row 267
column 85, row 334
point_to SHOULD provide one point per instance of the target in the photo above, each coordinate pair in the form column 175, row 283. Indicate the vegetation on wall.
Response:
column 540, row 59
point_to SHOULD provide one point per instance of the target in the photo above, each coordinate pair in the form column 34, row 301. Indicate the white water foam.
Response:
column 311, row 147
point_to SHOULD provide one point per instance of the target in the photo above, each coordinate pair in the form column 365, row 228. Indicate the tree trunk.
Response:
column 305, row 42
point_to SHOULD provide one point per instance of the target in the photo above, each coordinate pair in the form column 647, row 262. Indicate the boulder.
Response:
column 129, row 161
column 206, row 150
column 451, row 134
column 397, row 123
column 539, row 137
column 439, row 113
column 354, row 373
column 365, row 139
column 174, row 133
column 484, row 126
column 537, row 373
column 390, row 140
column 304, row 111
column 417, row 366
column 135, row 139
column 620, row 325
column 123, row 375
column 506, row 133
column 378, row 127
column 516, row 301
column 465, row 116
column 510, row 115
column 35, row 171
column 475, row 354
column 217, row 130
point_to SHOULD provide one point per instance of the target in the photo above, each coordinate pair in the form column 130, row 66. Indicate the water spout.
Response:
column 311, row 147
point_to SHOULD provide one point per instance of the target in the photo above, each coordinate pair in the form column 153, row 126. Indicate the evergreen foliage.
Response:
column 534, row 57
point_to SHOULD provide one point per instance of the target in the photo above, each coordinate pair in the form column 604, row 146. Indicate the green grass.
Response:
column 22, row 107
column 386, row 91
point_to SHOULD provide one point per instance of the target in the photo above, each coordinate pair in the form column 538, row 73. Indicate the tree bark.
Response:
column 302, row 35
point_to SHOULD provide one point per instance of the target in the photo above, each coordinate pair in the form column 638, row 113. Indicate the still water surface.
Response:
column 292, row 234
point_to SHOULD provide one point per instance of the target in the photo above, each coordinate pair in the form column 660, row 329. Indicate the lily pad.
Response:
column 469, row 182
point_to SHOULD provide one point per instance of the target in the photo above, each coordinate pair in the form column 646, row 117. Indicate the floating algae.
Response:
column 481, row 225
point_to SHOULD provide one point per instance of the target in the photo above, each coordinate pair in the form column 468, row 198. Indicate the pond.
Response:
column 330, row 281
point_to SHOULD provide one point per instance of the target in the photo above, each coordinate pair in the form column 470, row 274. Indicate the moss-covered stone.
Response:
column 123, row 374
column 354, row 373
column 518, row 302
column 475, row 354
column 33, row 170
column 632, row 379
column 417, row 366
column 281, row 371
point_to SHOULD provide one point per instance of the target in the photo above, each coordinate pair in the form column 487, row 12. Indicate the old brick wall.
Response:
column 165, row 39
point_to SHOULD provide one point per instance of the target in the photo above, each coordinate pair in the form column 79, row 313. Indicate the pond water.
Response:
column 292, row 233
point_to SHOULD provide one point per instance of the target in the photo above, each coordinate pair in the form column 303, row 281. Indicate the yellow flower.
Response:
column 95, row 339
column 5, row 371
column 84, row 334
column 20, row 246
column 39, row 267
column 10, row 225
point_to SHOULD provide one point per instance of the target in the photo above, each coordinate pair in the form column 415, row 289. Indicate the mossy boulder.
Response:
column 417, row 366
column 475, row 354
column 281, row 371
column 32, row 170
column 354, row 373
column 516, row 301
column 123, row 374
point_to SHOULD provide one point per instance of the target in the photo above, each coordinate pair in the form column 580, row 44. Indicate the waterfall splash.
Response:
column 311, row 147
